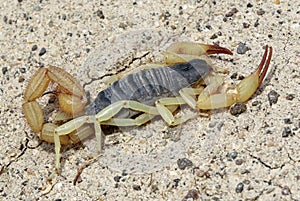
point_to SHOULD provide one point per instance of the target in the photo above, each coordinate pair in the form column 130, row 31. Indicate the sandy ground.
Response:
column 253, row 156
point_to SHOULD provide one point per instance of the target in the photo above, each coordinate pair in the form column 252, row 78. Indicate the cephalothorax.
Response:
column 187, row 77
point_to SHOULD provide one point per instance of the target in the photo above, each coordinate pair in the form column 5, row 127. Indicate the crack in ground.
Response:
column 23, row 148
column 265, row 164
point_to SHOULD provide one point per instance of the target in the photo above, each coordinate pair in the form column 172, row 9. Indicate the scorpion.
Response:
column 187, row 77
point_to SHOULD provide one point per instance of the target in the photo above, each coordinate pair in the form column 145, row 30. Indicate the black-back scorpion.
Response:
column 187, row 77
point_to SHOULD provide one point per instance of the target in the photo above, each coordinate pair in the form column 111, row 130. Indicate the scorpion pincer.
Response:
column 187, row 77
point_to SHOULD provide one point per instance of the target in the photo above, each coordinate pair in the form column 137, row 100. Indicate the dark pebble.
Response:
column 249, row 5
column 208, row 27
column 232, row 155
column 246, row 25
column 255, row 103
column 136, row 187
column 239, row 188
column 117, row 178
column 241, row 77
column 100, row 14
column 242, row 48
column 167, row 14
column 184, row 163
column 256, row 23
column 286, row 190
column 214, row 36
column 5, row 19
column 290, row 97
column 34, row 48
column 260, row 12
column 42, row 51
column 273, row 97
column 4, row 70
column 287, row 121
column 21, row 79
column 231, row 13
column 23, row 70
column 286, row 132
column 175, row 183
column 238, row 109
column 234, row 76
column 239, row 161
column 192, row 194
column 245, row 171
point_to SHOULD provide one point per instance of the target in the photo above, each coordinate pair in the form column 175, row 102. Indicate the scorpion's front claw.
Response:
column 185, row 51
column 209, row 99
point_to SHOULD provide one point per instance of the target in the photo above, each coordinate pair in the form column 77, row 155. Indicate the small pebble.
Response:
column 192, row 194
column 246, row 25
column 136, row 187
column 184, row 163
column 232, row 155
column 42, row 51
column 239, row 188
column 234, row 76
column 290, row 97
column 287, row 132
column 241, row 77
column 34, row 48
column 21, row 79
column 260, row 12
column 175, row 183
column 242, row 48
column 238, row 109
column 4, row 70
column 117, row 178
column 100, row 14
column 286, row 190
column 287, row 121
column 256, row 23
column 231, row 13
column 273, row 97
column 239, row 161
column 256, row 103
column 249, row 5
column 23, row 70
column 214, row 36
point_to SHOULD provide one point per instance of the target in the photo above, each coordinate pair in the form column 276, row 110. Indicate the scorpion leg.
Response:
column 187, row 96
column 140, row 120
column 242, row 92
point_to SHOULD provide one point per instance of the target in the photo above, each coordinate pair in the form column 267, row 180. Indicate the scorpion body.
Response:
column 148, row 86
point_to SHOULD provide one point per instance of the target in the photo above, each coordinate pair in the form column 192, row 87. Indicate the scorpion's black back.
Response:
column 147, row 86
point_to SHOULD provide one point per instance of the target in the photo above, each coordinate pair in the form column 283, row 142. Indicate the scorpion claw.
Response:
column 215, row 49
column 185, row 51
